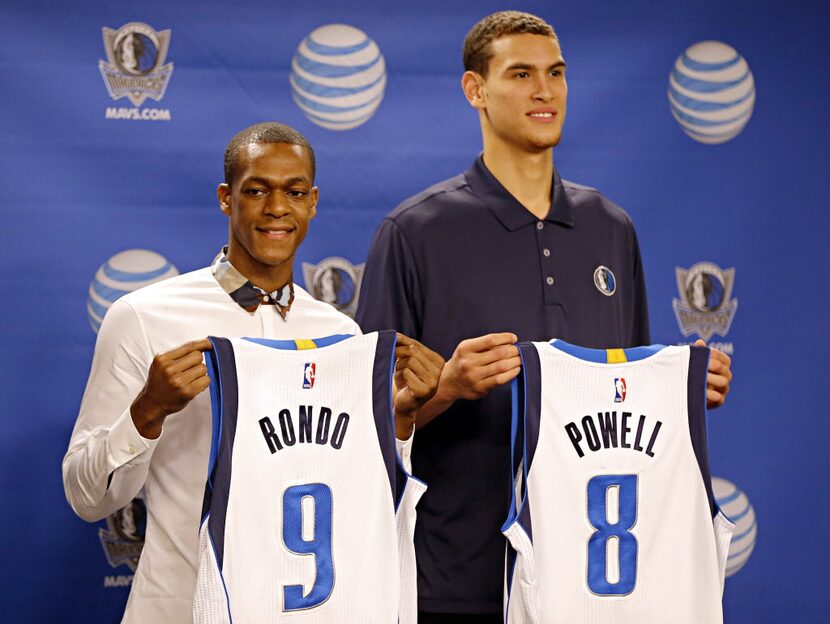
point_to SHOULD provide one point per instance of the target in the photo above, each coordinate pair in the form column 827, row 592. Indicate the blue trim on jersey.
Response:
column 528, row 435
column 600, row 356
column 221, row 576
column 698, row 426
column 225, row 362
column 514, row 468
column 383, row 371
column 291, row 345
column 215, row 407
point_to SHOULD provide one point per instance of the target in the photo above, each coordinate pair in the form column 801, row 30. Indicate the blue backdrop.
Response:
column 87, row 176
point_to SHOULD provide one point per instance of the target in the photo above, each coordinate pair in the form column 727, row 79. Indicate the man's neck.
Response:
column 527, row 176
column 268, row 279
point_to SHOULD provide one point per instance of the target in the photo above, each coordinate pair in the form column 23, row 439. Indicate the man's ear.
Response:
column 472, row 84
column 315, row 196
column 223, row 194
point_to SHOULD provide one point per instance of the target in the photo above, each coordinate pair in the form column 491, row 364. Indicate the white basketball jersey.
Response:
column 309, row 514
column 613, row 518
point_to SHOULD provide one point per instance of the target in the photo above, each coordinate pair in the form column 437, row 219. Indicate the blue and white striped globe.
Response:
column 338, row 77
column 739, row 510
column 711, row 92
column 124, row 272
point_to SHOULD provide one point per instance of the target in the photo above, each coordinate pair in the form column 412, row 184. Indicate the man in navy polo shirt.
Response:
column 505, row 251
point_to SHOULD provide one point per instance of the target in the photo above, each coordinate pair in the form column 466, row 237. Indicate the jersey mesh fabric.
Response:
column 342, row 484
column 677, row 569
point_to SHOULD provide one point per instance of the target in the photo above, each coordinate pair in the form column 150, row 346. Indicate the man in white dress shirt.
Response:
column 145, row 420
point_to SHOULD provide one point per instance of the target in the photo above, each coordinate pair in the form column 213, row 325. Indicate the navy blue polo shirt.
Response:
column 463, row 259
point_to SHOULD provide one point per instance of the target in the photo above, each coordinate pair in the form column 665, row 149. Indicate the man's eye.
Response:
column 522, row 74
column 296, row 193
column 556, row 72
column 254, row 192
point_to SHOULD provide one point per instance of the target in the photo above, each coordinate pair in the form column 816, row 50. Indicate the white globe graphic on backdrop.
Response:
column 338, row 77
column 739, row 510
column 711, row 92
column 123, row 273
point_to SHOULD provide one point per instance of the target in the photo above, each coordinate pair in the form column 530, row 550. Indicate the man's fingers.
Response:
column 714, row 398
column 503, row 378
column 471, row 361
column 718, row 382
column 500, row 367
column 416, row 365
column 198, row 386
column 487, row 342
column 186, row 348
column 417, row 388
column 191, row 374
column 184, row 363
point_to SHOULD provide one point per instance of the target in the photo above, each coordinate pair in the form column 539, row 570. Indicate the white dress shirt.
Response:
column 108, row 462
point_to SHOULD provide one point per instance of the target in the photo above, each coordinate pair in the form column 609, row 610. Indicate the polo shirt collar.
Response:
column 506, row 208
column 243, row 292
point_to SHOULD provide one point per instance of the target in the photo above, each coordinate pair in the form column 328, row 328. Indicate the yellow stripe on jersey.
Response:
column 304, row 345
column 616, row 356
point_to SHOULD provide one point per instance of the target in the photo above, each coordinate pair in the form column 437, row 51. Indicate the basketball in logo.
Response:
column 338, row 77
column 124, row 272
column 734, row 503
column 711, row 92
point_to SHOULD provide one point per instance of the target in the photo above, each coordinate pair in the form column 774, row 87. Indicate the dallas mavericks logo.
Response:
column 711, row 92
column 705, row 305
column 309, row 375
column 605, row 281
column 619, row 389
column 123, row 539
column 335, row 281
column 738, row 509
column 135, row 66
column 124, row 272
column 338, row 77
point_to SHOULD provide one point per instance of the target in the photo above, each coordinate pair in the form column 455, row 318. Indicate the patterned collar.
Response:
column 244, row 292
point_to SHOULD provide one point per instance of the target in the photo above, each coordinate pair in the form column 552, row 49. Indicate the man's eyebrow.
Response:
column 516, row 66
column 277, row 181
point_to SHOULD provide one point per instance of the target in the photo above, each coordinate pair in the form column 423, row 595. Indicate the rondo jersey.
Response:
column 613, row 517
column 308, row 514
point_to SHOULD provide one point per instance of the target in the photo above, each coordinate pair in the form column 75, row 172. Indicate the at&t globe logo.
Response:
column 123, row 273
column 734, row 503
column 711, row 92
column 338, row 77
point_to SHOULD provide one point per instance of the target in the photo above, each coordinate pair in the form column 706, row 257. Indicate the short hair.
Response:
column 477, row 53
column 266, row 132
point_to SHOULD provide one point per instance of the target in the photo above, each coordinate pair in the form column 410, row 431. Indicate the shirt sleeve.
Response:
column 640, row 332
column 404, row 448
column 107, row 460
column 390, row 292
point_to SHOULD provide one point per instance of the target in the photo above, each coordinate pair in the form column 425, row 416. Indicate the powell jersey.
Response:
column 613, row 518
column 308, row 513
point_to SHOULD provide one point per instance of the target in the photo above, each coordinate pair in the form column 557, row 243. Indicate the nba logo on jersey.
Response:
column 619, row 389
column 309, row 373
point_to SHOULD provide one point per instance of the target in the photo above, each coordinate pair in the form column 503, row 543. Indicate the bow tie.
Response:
column 247, row 295
column 251, row 297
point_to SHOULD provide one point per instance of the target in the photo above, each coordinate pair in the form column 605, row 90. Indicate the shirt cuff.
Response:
column 126, row 444
column 404, row 448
